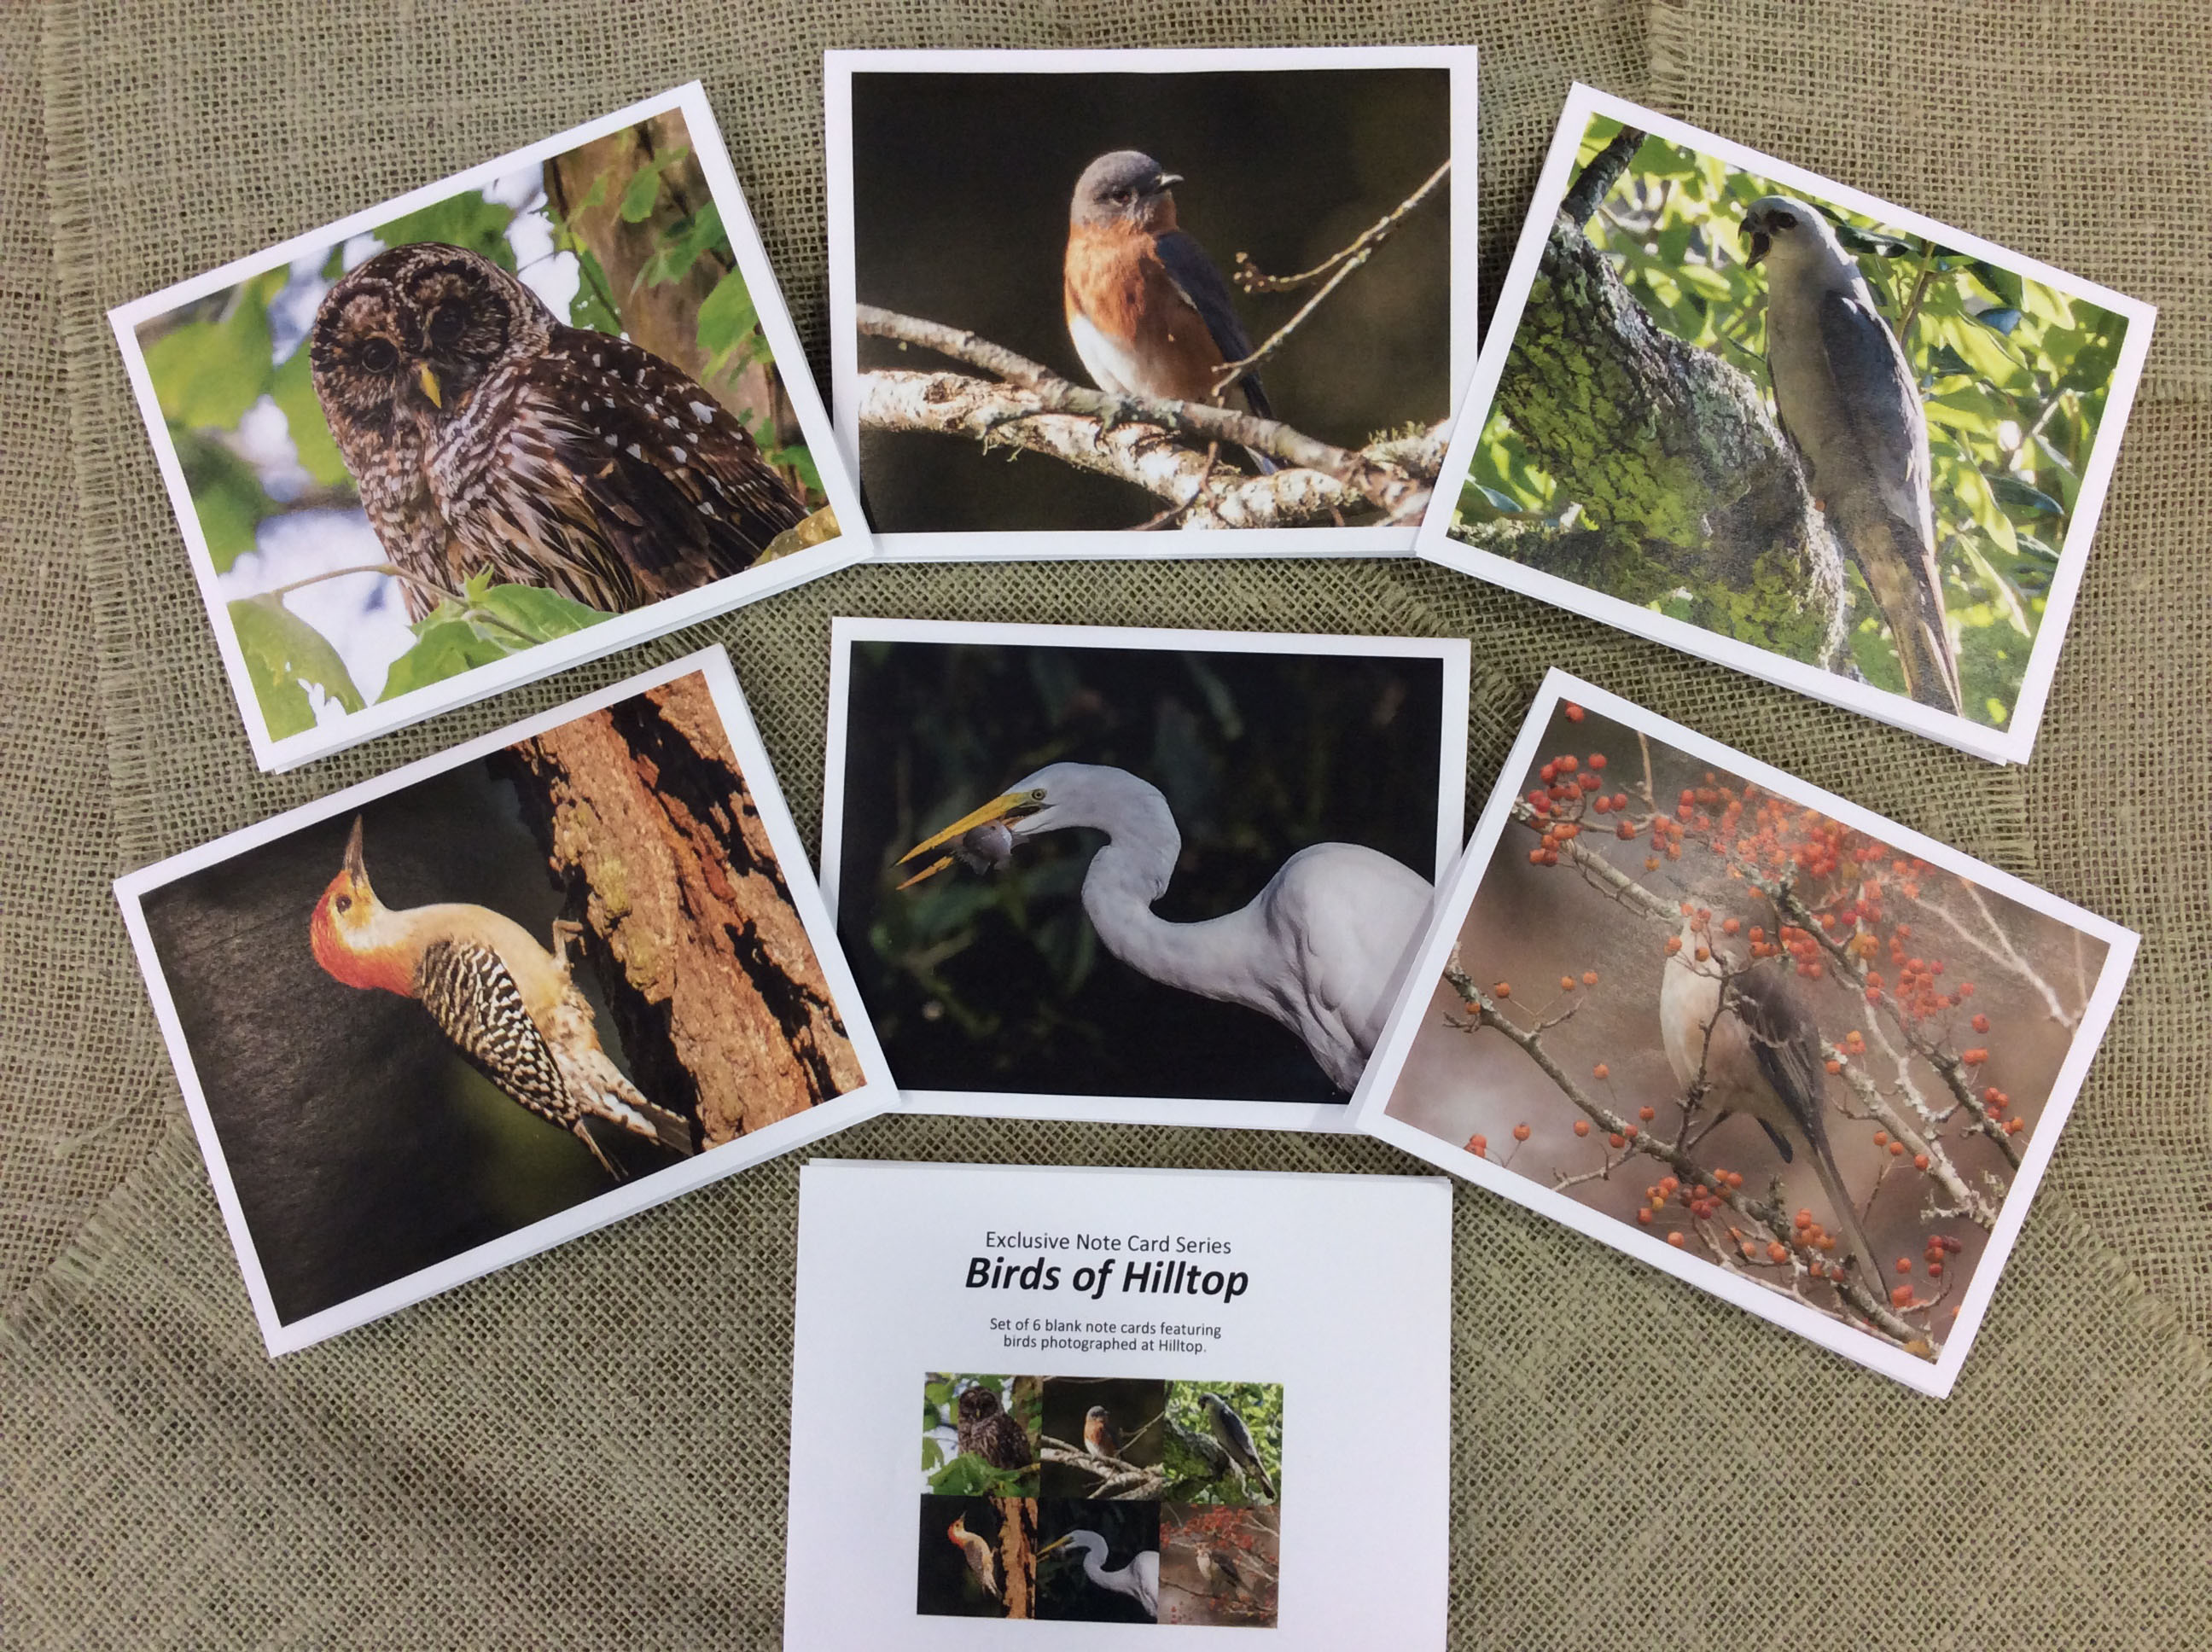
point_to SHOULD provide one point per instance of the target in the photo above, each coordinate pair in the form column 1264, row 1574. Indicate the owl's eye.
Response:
column 378, row 355
column 446, row 324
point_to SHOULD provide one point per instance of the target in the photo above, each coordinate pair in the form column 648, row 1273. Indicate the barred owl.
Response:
column 985, row 1432
column 485, row 433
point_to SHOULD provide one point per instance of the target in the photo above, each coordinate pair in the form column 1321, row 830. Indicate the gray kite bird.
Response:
column 1753, row 1043
column 1849, row 400
column 1236, row 1439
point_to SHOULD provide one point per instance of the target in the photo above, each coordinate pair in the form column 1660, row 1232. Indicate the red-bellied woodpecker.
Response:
column 503, row 999
column 981, row 1561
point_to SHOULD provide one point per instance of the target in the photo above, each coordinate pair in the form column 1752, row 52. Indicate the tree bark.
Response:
column 1686, row 482
column 710, row 977
column 1018, row 1554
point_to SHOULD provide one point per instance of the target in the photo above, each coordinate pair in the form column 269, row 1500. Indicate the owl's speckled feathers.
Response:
column 484, row 433
column 985, row 1431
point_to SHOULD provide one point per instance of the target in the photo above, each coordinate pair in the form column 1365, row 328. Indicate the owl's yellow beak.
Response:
column 428, row 381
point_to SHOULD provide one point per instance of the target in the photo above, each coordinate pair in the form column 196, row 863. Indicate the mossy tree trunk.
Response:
column 1685, row 480
column 716, row 990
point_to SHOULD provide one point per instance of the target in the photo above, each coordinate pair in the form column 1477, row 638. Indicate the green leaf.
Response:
column 541, row 616
column 800, row 459
column 466, row 220
column 207, row 374
column 727, row 315
column 293, row 389
column 682, row 245
column 2003, row 284
column 284, row 657
column 227, row 496
column 444, row 648
column 644, row 188
column 2017, row 496
column 587, row 308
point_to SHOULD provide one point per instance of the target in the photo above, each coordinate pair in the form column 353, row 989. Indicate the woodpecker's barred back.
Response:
column 504, row 1002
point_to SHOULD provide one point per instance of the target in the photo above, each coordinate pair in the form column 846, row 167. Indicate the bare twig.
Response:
column 1341, row 262
column 438, row 592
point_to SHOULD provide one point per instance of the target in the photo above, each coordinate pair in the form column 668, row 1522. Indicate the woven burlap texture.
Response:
column 590, row 1448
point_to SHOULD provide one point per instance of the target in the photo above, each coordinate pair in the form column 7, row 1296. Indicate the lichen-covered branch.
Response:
column 1684, row 481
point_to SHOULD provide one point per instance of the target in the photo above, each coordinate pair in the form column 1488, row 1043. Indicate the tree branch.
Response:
column 1027, row 389
column 1684, row 480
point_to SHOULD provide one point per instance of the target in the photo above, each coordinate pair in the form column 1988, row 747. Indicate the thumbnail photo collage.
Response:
column 1100, row 1499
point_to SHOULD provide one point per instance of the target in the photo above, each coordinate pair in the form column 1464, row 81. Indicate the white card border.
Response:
column 877, row 1094
column 2011, row 744
column 1457, row 896
column 1028, row 545
column 1455, row 653
column 610, row 636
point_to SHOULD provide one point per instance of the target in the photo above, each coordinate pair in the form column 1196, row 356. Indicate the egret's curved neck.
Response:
column 1131, row 873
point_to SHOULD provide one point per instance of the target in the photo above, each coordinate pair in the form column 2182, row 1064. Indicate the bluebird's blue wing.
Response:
column 1193, row 273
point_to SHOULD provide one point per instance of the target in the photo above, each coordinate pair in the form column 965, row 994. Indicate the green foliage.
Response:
column 1190, row 1478
column 2014, row 376
column 286, row 657
column 485, row 623
column 466, row 220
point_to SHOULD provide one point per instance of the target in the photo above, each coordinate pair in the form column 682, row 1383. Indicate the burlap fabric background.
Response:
column 589, row 1449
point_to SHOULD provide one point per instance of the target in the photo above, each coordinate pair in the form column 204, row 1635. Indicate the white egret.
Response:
column 1318, row 949
column 1140, row 1580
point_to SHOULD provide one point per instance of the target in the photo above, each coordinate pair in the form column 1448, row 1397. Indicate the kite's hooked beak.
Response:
column 428, row 381
column 1761, row 244
column 1009, row 806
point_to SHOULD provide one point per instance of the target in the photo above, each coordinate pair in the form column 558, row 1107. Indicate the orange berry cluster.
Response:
column 1994, row 1102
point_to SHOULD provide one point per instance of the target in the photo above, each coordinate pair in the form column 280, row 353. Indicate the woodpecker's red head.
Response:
column 343, row 929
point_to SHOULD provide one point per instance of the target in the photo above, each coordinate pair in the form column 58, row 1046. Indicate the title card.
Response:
column 1085, row 1399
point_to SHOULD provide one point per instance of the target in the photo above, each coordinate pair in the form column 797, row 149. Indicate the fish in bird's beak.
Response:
column 428, row 381
column 1008, row 807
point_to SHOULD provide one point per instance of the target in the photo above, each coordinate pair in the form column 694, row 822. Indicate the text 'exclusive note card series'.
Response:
column 1088, row 1400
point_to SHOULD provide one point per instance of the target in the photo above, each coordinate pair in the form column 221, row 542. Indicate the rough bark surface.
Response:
column 1686, row 482
column 1018, row 1554
column 719, row 998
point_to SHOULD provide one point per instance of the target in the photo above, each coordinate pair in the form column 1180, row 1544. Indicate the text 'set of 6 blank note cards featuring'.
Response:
column 1085, row 1400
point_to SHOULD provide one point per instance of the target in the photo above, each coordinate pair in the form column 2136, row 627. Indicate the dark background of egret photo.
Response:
column 961, row 185
column 998, row 982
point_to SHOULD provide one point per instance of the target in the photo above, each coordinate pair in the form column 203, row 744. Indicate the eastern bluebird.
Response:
column 1099, row 1438
column 1149, row 313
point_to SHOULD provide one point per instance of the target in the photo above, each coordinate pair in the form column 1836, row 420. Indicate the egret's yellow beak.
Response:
column 998, row 808
column 428, row 381
column 1058, row 1542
